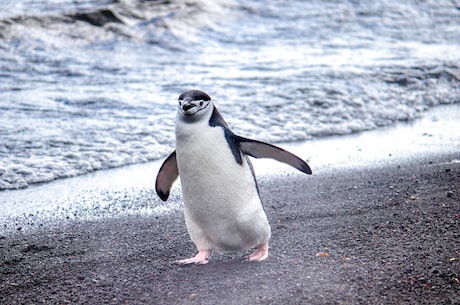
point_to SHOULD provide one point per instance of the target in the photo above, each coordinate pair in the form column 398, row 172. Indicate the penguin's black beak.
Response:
column 187, row 106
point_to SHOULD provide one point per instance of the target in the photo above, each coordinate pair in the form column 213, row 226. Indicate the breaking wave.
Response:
column 88, row 85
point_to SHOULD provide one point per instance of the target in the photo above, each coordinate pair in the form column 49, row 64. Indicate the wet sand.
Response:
column 376, row 223
column 381, row 235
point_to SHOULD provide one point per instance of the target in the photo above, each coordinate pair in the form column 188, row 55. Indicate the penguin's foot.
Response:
column 260, row 254
column 200, row 259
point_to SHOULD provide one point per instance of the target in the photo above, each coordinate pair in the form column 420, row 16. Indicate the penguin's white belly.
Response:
column 223, row 210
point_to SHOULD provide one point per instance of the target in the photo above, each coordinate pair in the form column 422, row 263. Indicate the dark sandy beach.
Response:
column 382, row 235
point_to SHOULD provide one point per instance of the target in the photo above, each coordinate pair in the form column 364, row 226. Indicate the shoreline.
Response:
column 129, row 190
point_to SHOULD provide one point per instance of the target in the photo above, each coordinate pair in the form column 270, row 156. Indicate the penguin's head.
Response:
column 194, row 103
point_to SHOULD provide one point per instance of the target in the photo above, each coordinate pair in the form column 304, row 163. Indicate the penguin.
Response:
column 222, row 207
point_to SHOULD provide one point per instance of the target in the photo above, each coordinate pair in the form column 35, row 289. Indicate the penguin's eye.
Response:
column 201, row 103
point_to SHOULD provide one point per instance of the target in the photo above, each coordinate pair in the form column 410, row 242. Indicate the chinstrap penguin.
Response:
column 223, row 210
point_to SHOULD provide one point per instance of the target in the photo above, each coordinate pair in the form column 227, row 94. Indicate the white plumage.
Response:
column 223, row 210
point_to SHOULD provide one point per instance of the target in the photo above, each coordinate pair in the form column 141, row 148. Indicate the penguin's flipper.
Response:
column 167, row 174
column 258, row 149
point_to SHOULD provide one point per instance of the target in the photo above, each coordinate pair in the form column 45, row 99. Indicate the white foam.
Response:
column 436, row 131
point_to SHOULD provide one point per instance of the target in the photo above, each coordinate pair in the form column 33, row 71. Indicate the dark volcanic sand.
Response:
column 384, row 235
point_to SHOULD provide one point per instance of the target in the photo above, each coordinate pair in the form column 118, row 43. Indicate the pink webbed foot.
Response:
column 260, row 254
column 200, row 259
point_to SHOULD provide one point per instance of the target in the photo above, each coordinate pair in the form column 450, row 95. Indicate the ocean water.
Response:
column 88, row 85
